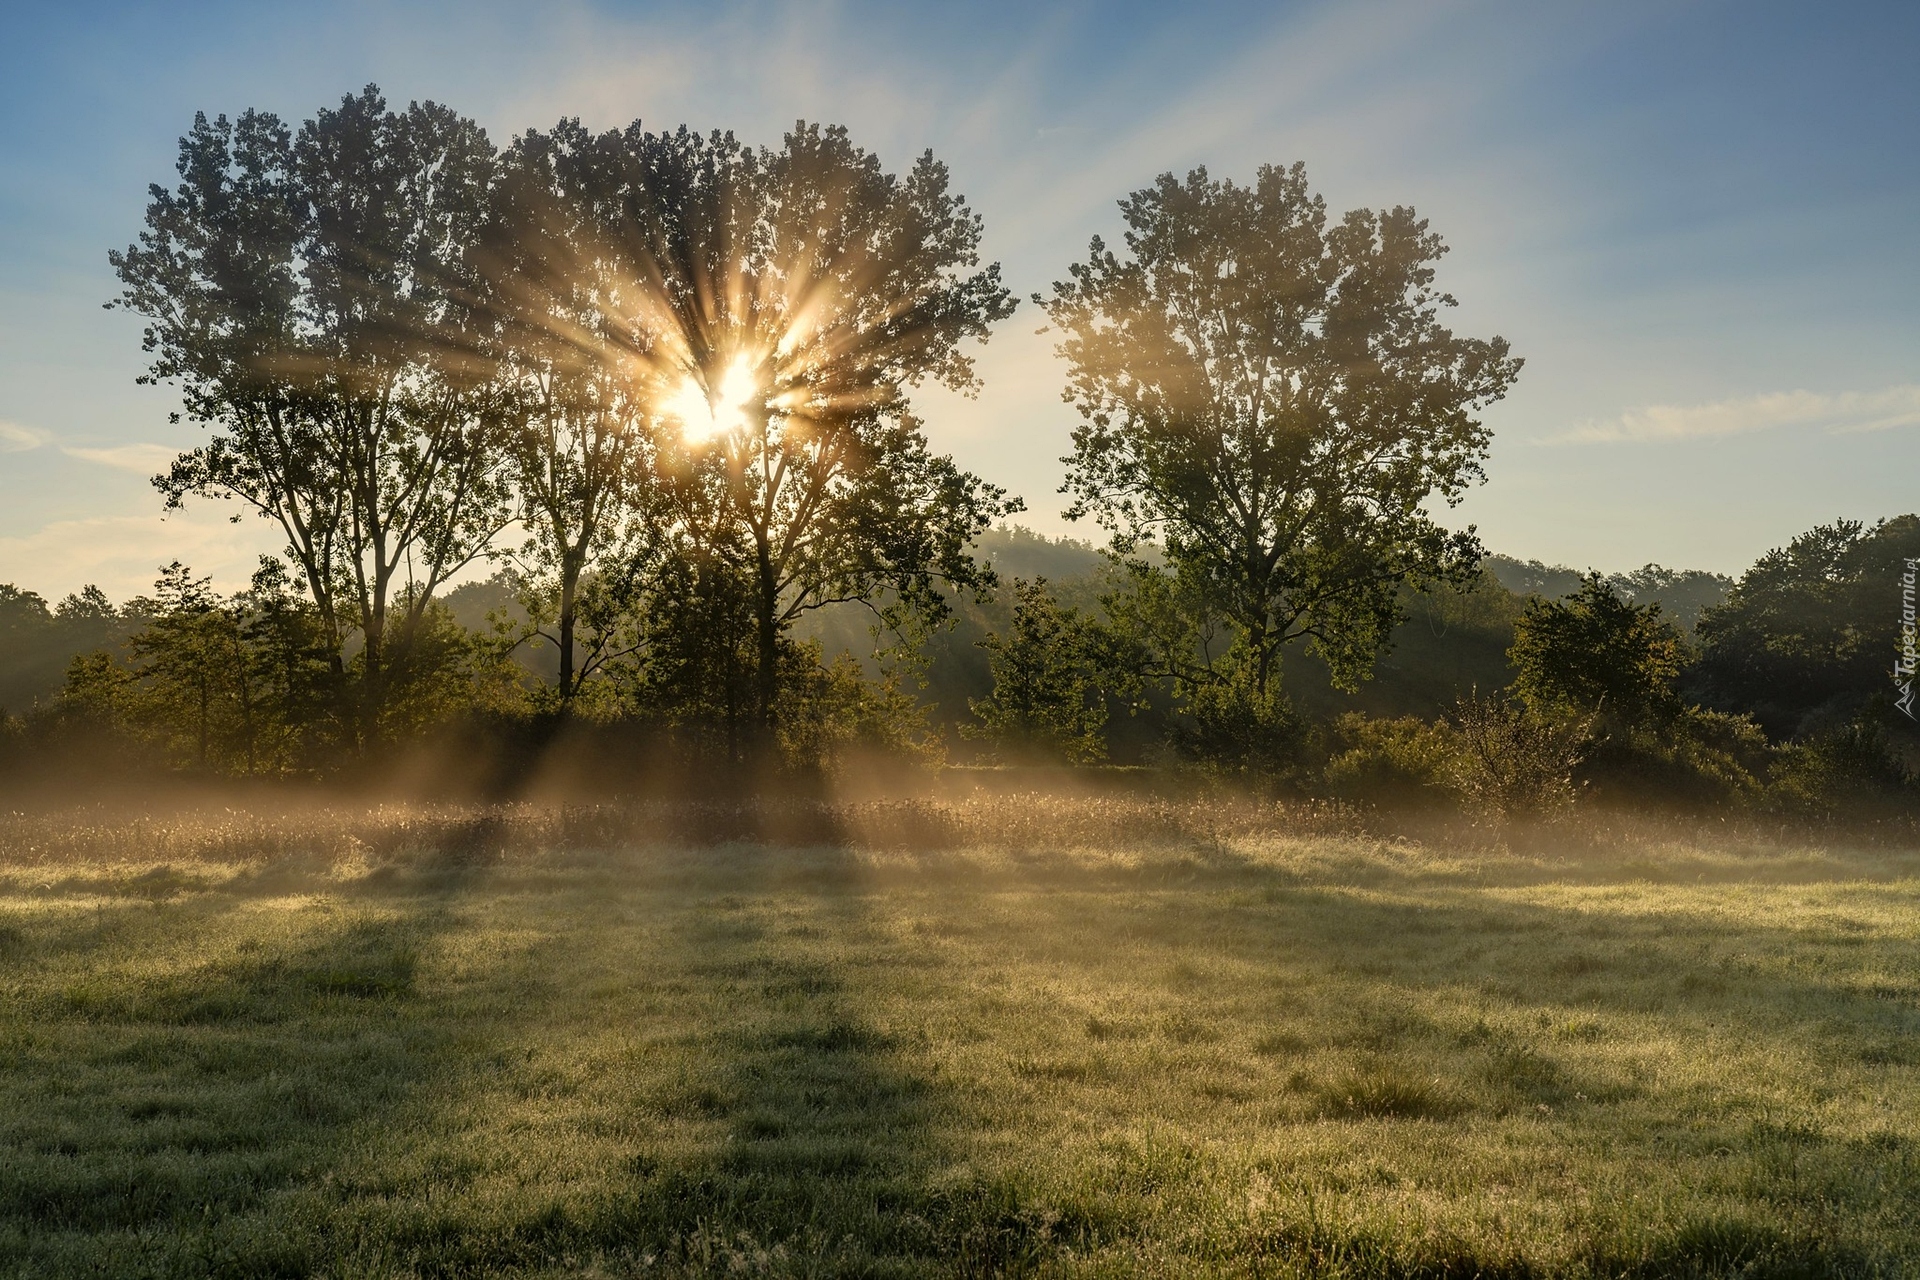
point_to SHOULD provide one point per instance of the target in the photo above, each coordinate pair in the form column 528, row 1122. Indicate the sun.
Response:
column 705, row 415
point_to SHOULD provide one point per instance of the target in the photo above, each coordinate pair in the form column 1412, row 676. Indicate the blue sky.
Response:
column 1695, row 220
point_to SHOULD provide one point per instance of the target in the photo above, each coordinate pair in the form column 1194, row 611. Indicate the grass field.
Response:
column 1045, row 1036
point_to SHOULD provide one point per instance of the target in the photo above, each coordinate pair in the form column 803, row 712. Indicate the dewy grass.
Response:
column 1065, row 1037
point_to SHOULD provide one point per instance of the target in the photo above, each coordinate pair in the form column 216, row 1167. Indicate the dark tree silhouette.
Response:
column 1598, row 655
column 562, row 285
column 1809, row 636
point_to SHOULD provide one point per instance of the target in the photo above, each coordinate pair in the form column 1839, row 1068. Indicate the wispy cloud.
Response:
column 123, row 553
column 1835, row 413
column 15, row 438
column 144, row 458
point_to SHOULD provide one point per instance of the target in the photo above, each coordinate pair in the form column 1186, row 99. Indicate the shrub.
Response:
column 1595, row 654
column 828, row 713
column 1232, row 724
column 1399, row 761
column 1852, row 771
column 1046, row 700
column 1514, row 760
column 1700, row 758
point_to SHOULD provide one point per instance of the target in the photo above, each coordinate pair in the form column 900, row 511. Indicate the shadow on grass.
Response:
column 284, row 1113
column 146, row 1122
column 1390, row 978
column 837, row 1156
column 161, row 1116
column 305, row 1106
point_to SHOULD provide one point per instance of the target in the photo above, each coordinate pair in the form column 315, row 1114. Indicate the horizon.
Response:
column 1692, row 221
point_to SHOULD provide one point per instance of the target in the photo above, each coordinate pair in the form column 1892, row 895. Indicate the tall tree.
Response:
column 1273, row 400
column 304, row 292
column 559, row 280
column 796, row 296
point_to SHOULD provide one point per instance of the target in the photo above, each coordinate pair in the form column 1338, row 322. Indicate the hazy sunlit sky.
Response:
column 1697, row 222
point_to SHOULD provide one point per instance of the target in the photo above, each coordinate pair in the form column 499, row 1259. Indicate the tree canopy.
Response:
column 303, row 291
column 1810, row 633
column 1597, row 654
column 799, row 294
column 642, row 346
column 1272, row 398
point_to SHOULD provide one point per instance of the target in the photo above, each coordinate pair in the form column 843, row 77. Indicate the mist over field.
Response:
column 751, row 714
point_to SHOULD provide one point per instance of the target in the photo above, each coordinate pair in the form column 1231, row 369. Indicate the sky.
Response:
column 1695, row 221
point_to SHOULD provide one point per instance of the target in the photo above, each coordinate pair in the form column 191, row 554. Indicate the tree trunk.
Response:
column 569, row 585
column 767, row 678
column 1263, row 663
column 373, row 677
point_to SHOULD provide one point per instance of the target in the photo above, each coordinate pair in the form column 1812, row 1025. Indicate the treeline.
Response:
column 1492, row 693
column 1770, row 694
column 660, row 383
column 1779, row 699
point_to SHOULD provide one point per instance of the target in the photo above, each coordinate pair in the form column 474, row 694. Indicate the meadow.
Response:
column 985, row 1034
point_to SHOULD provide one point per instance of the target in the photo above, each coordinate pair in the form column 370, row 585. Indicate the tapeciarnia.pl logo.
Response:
column 1908, row 662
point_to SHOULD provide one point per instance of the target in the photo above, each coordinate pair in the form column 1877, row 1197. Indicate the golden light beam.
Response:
column 709, row 412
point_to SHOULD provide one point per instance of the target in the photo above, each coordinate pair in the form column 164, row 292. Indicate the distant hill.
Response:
column 1683, row 594
column 1016, row 552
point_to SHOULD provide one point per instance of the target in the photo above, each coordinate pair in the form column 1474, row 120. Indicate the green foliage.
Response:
column 38, row 643
column 442, row 673
column 1848, row 772
column 1272, row 399
column 97, row 690
column 1618, row 664
column 237, row 686
column 1402, row 761
column 580, row 429
column 242, row 685
column 694, row 670
column 400, row 340
column 1810, row 634
column 1230, row 722
column 832, row 715
column 1724, row 757
column 827, row 287
column 1682, row 594
column 1515, row 759
column 682, row 365
column 1598, row 656
column 1047, row 699
column 305, row 291
column 1698, row 759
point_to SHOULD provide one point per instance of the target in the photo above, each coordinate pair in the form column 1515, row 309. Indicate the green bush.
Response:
column 830, row 713
column 1699, row 758
column 1232, row 724
column 1597, row 655
column 1515, row 760
column 1852, row 772
column 1046, row 702
column 1399, row 761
